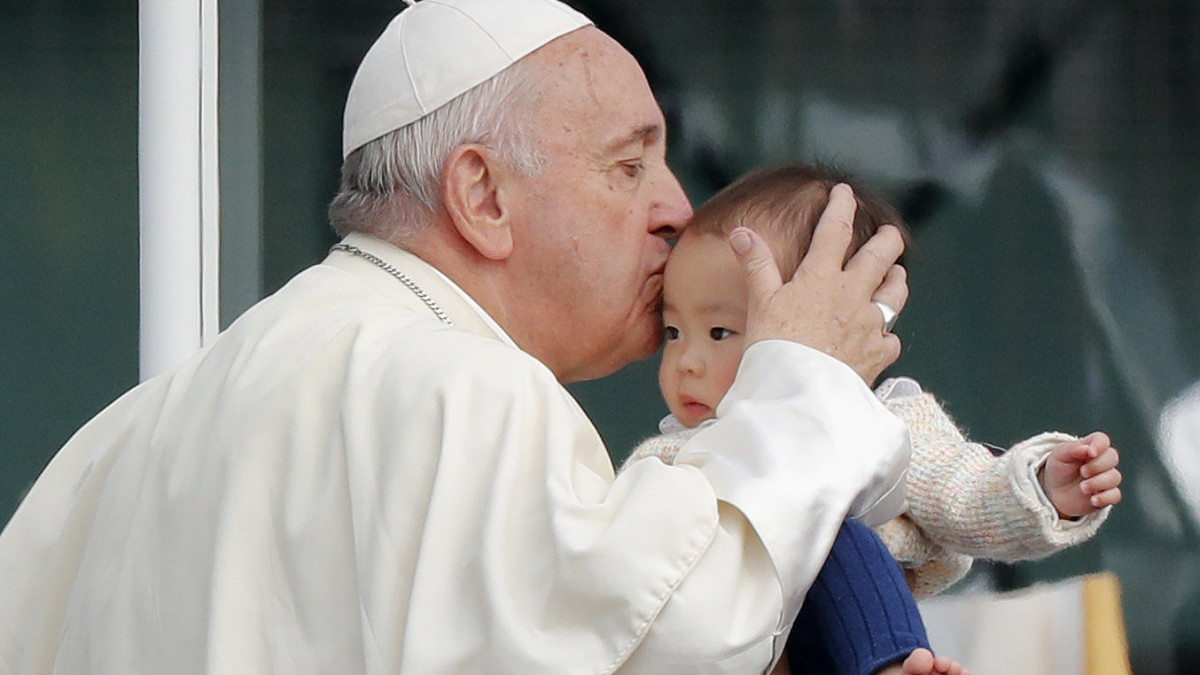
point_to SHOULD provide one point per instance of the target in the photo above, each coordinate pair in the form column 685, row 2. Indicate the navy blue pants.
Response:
column 859, row 615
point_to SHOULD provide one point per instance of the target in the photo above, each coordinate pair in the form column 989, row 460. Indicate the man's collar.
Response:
column 461, row 308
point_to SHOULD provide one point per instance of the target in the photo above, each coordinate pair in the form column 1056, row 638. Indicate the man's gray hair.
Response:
column 391, row 186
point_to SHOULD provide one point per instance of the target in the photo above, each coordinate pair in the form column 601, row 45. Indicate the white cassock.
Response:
column 344, row 484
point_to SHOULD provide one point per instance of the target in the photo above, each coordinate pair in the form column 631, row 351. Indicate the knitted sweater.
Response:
column 963, row 501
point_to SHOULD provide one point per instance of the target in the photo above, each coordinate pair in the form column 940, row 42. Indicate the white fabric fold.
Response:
column 796, row 460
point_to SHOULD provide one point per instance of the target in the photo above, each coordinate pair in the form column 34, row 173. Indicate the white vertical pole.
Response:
column 177, row 185
column 210, row 175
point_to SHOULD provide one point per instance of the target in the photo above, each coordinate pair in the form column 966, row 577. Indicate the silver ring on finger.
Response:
column 889, row 315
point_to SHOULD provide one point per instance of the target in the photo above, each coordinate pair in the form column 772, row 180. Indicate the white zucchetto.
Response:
column 435, row 50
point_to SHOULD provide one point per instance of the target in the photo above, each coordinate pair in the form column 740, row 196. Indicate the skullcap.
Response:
column 435, row 50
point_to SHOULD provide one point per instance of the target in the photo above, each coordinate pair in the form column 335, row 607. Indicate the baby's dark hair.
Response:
column 784, row 202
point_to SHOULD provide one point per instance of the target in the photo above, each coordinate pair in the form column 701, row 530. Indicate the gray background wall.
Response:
column 1047, row 156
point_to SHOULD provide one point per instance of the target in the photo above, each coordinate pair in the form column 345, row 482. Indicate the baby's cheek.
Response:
column 729, row 359
column 667, row 385
column 724, row 377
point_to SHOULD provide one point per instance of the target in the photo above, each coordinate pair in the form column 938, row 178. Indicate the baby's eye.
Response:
column 718, row 333
column 672, row 332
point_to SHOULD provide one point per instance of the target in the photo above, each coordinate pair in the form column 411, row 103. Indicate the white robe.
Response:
column 342, row 484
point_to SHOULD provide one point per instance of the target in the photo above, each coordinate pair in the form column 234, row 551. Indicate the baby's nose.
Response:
column 692, row 362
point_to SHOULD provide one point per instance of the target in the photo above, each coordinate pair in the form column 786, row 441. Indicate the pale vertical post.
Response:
column 178, row 199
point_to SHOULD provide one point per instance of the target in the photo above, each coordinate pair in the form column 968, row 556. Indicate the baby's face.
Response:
column 704, row 312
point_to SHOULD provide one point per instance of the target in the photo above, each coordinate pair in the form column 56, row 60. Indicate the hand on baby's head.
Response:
column 1081, row 477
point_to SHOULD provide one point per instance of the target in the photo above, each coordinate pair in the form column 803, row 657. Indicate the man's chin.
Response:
column 625, row 355
column 642, row 339
column 653, row 340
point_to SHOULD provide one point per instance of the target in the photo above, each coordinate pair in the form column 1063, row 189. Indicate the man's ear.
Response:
column 471, row 193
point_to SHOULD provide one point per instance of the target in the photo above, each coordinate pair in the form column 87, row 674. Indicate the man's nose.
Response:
column 672, row 211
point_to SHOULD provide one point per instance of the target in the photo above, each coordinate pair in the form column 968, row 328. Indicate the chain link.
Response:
column 404, row 278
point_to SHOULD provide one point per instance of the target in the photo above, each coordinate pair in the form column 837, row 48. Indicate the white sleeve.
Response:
column 799, row 444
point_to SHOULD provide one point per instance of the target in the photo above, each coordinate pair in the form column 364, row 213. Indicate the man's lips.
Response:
column 655, row 278
column 654, row 289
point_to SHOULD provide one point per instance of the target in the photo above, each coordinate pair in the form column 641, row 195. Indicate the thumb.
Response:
column 758, row 265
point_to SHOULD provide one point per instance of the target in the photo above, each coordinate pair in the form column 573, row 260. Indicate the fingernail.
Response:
column 740, row 241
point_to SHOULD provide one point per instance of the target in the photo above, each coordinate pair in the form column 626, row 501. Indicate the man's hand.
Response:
column 825, row 305
column 1081, row 477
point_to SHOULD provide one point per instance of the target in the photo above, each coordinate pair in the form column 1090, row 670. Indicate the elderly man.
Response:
column 377, row 468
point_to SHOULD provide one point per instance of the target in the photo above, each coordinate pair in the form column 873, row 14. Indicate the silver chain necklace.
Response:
column 404, row 278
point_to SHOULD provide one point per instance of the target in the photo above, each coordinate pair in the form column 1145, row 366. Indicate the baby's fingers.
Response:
column 1099, row 441
column 1101, row 482
column 1106, row 498
column 1076, row 452
column 1105, row 461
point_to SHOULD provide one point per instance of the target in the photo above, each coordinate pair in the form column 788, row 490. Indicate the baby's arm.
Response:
column 929, row 568
column 969, row 501
column 1081, row 477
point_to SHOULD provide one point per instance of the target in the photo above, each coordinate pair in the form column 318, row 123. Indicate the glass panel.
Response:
column 68, row 183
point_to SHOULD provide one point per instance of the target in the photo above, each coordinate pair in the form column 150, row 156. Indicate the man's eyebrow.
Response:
column 640, row 134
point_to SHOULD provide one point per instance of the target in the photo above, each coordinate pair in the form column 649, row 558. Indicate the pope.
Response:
column 377, row 469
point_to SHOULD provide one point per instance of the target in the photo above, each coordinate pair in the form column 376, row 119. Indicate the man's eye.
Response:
column 672, row 332
column 633, row 168
column 717, row 333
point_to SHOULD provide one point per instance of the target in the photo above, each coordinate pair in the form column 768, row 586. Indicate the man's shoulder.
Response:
column 374, row 335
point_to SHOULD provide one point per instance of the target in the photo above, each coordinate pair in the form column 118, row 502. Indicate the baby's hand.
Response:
column 1081, row 477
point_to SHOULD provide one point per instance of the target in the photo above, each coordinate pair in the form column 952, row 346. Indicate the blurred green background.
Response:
column 1046, row 155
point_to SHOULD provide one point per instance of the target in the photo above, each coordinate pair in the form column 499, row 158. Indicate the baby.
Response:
column 1042, row 495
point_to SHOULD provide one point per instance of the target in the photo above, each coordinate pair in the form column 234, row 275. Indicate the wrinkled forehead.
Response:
column 588, row 76
column 586, row 51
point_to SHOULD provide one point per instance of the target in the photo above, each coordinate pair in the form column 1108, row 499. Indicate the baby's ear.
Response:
column 474, row 201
